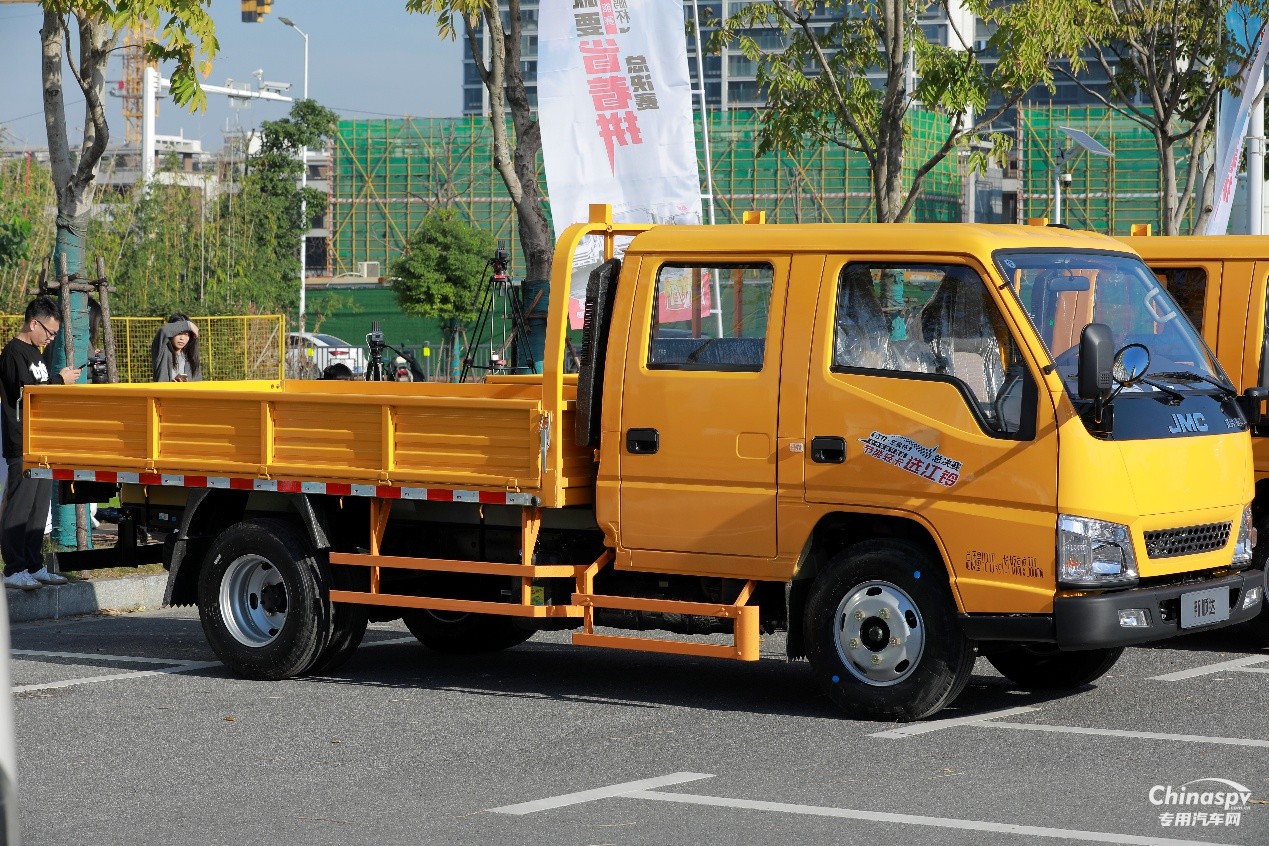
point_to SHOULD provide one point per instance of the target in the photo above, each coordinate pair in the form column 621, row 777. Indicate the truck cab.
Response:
column 1220, row 283
column 891, row 418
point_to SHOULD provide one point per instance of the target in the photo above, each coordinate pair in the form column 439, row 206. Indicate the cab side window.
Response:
column 931, row 321
column 710, row 317
column 1188, row 286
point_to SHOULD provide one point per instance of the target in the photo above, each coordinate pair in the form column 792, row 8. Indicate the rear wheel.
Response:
column 348, row 622
column 1040, row 666
column 881, row 633
column 457, row 633
column 262, row 600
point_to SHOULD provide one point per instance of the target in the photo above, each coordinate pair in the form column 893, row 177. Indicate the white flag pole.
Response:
column 717, row 304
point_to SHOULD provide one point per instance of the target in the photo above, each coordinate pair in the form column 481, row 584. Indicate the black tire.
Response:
column 1040, row 666
column 348, row 621
column 263, row 602
column 894, row 672
column 453, row 633
column 1258, row 628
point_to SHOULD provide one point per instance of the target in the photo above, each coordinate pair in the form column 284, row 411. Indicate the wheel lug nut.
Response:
column 894, row 641
column 859, row 615
column 884, row 613
column 854, row 643
column 876, row 659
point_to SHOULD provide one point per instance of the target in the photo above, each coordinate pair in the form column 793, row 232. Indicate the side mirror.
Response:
column 1131, row 364
column 1253, row 400
column 1097, row 350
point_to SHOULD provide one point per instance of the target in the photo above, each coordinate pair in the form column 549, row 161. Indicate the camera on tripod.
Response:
column 374, row 340
column 97, row 372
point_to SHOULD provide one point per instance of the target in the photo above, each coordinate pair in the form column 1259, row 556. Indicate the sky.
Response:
column 367, row 59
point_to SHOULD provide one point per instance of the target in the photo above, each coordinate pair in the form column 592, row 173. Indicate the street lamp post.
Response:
column 303, row 182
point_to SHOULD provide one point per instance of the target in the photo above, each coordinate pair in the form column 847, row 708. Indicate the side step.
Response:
column 745, row 637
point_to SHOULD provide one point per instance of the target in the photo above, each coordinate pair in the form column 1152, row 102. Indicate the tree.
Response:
column 1167, row 62
column 443, row 272
column 516, row 161
column 171, row 249
column 15, row 234
column 187, row 33
column 818, row 88
column 279, row 205
column 26, row 194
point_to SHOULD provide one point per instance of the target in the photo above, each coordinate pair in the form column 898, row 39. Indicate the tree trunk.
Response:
column 535, row 237
column 74, row 182
column 1172, row 213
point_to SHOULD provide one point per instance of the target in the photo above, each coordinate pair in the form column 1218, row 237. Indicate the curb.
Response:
column 132, row 593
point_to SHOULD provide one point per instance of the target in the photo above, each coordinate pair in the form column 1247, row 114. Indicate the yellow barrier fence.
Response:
column 234, row 347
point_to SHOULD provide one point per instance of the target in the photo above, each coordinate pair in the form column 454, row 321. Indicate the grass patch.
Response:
column 115, row 572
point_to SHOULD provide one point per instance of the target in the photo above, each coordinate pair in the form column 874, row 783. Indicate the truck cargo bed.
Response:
column 495, row 436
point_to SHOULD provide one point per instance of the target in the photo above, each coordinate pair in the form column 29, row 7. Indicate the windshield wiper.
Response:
column 1190, row 376
column 1177, row 396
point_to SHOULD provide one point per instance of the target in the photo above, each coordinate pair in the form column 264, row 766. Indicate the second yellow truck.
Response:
column 904, row 445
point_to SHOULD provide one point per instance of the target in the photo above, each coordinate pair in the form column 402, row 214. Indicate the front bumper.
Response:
column 1091, row 621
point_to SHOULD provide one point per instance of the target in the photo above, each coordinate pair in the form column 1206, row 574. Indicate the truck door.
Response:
column 699, row 406
column 920, row 403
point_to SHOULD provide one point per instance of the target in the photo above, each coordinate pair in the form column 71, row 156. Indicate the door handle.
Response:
column 642, row 441
column 828, row 450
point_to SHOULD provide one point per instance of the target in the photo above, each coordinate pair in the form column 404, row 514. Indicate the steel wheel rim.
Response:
column 879, row 633
column 253, row 600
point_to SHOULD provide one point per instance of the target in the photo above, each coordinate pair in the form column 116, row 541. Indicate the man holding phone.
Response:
column 24, row 361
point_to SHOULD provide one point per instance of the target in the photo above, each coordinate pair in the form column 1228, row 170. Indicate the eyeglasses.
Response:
column 51, row 333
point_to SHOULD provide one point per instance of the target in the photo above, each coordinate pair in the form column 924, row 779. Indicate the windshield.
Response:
column 1062, row 292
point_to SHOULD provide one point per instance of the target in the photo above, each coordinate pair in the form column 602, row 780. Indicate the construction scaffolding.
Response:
column 1106, row 194
column 386, row 175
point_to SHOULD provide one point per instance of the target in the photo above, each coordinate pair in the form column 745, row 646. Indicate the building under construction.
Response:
column 385, row 175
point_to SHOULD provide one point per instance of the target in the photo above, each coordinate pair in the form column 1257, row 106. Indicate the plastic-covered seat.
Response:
column 960, row 325
column 863, row 334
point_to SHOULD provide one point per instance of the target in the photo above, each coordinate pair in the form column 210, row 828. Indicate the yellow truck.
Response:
column 904, row 445
column 1219, row 283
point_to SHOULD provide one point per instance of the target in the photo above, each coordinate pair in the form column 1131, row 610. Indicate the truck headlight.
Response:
column 1246, row 541
column 1094, row 553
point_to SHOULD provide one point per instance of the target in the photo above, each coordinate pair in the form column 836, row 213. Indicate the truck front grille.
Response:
column 1190, row 540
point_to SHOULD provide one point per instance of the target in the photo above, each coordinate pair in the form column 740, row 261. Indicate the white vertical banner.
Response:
column 1230, row 135
column 615, row 107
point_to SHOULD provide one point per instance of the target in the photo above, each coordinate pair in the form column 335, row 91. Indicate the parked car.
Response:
column 308, row 354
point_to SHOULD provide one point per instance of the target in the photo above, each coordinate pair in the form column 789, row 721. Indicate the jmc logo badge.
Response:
column 1188, row 423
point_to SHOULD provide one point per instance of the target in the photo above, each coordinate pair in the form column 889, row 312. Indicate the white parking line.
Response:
column 179, row 667
column 928, row 726
column 642, row 790
column 1220, row 667
column 914, row 819
column 1144, row 735
column 598, row 793
column 169, row 665
column 96, row 656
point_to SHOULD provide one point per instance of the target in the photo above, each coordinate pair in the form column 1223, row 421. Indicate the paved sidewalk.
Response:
column 131, row 593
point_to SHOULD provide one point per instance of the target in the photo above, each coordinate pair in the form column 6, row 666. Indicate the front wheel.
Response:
column 1038, row 666
column 882, row 635
column 262, row 601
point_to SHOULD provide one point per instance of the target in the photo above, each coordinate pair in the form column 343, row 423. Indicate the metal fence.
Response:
column 235, row 347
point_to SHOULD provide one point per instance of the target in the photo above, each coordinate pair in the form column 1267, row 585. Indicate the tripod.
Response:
column 514, row 300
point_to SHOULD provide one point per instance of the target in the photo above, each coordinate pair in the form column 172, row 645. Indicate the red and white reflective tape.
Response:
column 284, row 486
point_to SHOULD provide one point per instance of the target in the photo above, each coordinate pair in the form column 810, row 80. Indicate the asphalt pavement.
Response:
column 129, row 732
